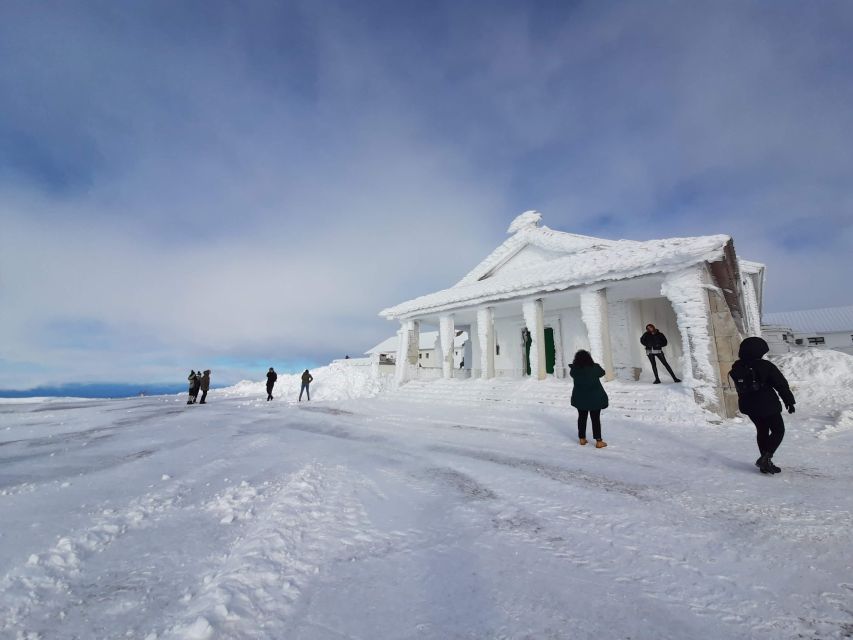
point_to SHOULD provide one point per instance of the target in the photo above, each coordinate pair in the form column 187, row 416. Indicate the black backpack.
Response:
column 747, row 380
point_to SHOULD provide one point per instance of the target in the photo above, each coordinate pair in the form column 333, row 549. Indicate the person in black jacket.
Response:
column 195, row 384
column 758, row 382
column 654, row 342
column 588, row 395
column 307, row 379
column 272, row 376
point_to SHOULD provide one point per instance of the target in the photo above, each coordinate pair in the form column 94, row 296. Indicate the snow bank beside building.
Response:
column 336, row 381
column 822, row 382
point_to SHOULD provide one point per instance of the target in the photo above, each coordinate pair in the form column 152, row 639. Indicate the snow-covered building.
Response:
column 780, row 339
column 428, row 349
column 829, row 328
column 543, row 294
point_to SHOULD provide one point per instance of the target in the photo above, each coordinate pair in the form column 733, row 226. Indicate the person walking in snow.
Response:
column 588, row 395
column 204, row 385
column 193, row 390
column 759, row 385
column 272, row 376
column 654, row 342
column 307, row 379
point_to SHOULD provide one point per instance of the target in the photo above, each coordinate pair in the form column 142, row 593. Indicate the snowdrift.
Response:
column 336, row 381
column 818, row 374
column 822, row 382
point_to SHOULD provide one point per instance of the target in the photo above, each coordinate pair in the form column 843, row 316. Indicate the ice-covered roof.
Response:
column 749, row 266
column 426, row 341
column 829, row 320
column 563, row 260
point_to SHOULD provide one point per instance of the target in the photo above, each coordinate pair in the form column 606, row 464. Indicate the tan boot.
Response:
column 600, row 444
column 582, row 441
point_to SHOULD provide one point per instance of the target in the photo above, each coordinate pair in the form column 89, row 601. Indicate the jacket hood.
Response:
column 752, row 348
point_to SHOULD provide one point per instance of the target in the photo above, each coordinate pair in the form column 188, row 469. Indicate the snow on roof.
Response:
column 526, row 232
column 749, row 266
column 585, row 260
column 426, row 341
column 827, row 320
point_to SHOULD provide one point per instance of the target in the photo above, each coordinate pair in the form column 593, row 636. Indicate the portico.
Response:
column 543, row 294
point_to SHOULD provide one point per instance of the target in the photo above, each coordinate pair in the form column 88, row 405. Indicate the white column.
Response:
column 533, row 318
column 486, row 341
column 620, row 340
column 559, row 360
column 594, row 314
column 447, row 336
column 686, row 291
column 407, row 351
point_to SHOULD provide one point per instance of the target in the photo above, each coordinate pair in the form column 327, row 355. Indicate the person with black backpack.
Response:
column 758, row 382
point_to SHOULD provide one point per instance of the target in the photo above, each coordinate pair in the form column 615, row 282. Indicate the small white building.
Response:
column 428, row 350
column 780, row 339
column 830, row 328
column 544, row 294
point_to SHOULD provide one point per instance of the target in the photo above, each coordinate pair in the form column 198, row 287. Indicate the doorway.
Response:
column 550, row 351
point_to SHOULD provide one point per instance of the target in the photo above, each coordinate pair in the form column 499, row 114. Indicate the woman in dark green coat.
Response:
column 588, row 396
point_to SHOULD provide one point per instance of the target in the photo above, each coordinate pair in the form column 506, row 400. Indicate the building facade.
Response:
column 544, row 294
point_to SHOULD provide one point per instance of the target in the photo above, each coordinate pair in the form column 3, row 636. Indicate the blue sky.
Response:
column 225, row 185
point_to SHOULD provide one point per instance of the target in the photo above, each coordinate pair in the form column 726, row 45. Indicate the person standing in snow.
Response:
column 654, row 342
column 307, row 379
column 272, row 376
column 196, row 384
column 204, row 385
column 191, row 379
column 758, row 382
column 588, row 395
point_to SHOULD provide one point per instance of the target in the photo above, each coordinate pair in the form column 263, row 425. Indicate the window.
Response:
column 497, row 349
column 798, row 341
column 420, row 355
column 427, row 356
column 818, row 340
column 785, row 337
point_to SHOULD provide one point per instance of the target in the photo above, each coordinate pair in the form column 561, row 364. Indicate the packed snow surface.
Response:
column 434, row 511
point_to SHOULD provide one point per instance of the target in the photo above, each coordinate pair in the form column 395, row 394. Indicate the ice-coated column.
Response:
column 486, row 341
column 594, row 314
column 407, row 351
column 447, row 336
column 534, row 319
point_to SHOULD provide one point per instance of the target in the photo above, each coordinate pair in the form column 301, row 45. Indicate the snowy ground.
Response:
column 387, row 518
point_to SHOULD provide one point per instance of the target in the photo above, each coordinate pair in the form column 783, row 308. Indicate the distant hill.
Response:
column 95, row 390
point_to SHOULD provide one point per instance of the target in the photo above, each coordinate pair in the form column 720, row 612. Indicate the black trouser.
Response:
column 203, row 396
column 269, row 392
column 305, row 389
column 596, row 423
column 663, row 361
column 769, row 431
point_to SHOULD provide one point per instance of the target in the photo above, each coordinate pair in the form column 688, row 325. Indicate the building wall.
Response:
column 838, row 340
column 725, row 341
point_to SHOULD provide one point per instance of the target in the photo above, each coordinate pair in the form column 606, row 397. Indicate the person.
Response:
column 272, row 376
column 191, row 379
column 204, row 385
column 759, row 385
column 654, row 342
column 588, row 395
column 307, row 379
column 196, row 383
